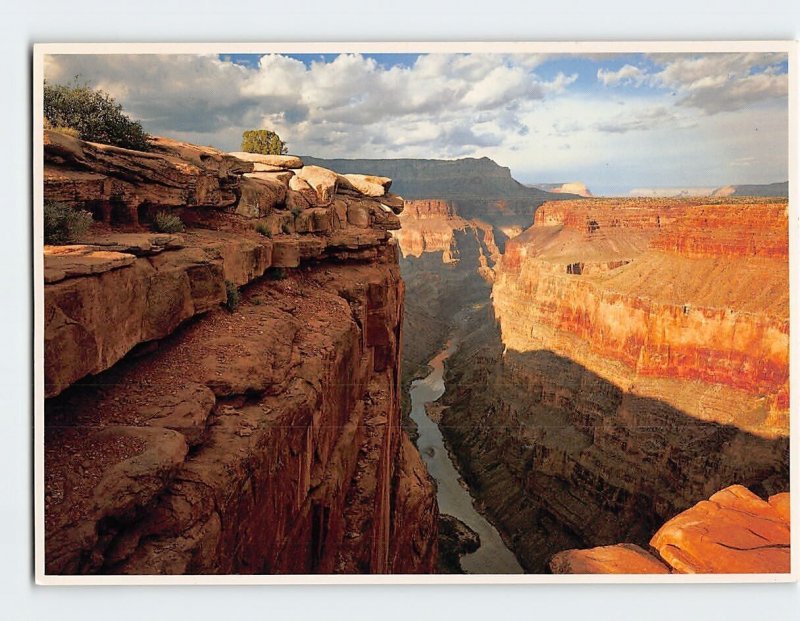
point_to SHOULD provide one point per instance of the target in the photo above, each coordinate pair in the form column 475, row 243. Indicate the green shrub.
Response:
column 286, row 229
column 263, row 228
column 263, row 141
column 166, row 222
column 93, row 114
column 64, row 224
column 67, row 131
column 233, row 296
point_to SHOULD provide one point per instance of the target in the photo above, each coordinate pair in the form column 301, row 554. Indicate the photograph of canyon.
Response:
column 468, row 312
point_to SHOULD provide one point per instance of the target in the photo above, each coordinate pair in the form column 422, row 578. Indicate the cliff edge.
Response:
column 224, row 399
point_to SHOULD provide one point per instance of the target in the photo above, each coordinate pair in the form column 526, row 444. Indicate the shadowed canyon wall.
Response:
column 185, row 437
column 634, row 362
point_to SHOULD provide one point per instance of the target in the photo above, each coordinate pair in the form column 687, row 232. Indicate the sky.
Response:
column 613, row 121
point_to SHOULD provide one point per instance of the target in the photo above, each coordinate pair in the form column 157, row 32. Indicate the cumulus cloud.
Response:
column 628, row 74
column 454, row 103
column 652, row 118
column 712, row 82
column 674, row 119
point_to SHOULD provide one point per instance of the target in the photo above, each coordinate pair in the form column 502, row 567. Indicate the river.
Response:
column 492, row 557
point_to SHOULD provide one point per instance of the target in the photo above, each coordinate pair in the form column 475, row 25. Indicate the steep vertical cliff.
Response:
column 634, row 362
column 222, row 400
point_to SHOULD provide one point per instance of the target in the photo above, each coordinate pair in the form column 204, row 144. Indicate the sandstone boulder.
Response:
column 62, row 262
column 281, row 161
column 383, row 217
column 358, row 214
column 368, row 185
column 394, row 202
column 315, row 220
column 260, row 196
column 734, row 531
column 323, row 181
column 258, row 167
column 624, row 558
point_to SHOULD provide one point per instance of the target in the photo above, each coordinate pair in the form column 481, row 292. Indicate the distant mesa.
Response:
column 578, row 188
column 767, row 189
column 481, row 187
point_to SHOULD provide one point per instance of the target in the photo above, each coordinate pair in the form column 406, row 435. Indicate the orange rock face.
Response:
column 622, row 375
column 733, row 532
column 649, row 292
column 624, row 558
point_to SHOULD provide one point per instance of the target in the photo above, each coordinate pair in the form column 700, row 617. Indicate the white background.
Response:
column 24, row 23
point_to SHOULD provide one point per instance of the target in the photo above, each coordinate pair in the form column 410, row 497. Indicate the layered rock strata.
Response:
column 182, row 437
column 734, row 532
column 638, row 363
column 687, row 303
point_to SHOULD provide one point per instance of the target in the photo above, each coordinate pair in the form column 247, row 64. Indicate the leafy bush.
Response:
column 263, row 228
column 263, row 141
column 286, row 229
column 94, row 114
column 64, row 224
column 233, row 296
column 69, row 131
column 165, row 222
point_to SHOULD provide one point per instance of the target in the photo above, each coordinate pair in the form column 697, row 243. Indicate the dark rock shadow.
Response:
column 563, row 458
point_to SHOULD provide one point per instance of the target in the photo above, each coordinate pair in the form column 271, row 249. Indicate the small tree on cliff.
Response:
column 263, row 141
column 93, row 114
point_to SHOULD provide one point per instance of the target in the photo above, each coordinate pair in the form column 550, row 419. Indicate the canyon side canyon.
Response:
column 233, row 398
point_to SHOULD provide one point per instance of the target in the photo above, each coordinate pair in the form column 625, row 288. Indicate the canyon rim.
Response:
column 488, row 312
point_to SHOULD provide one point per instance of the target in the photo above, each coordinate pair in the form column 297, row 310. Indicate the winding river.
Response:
column 492, row 557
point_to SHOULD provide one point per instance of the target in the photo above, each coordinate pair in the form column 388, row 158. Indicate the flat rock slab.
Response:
column 280, row 161
column 624, row 558
column 138, row 244
column 366, row 184
column 734, row 531
column 62, row 262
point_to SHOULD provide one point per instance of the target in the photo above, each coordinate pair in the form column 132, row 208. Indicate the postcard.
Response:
column 414, row 312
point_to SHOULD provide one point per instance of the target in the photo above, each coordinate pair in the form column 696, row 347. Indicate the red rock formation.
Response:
column 624, row 558
column 733, row 532
column 668, row 291
column 265, row 439
column 629, row 377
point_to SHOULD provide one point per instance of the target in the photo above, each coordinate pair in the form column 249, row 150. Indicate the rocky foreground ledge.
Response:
column 186, row 437
column 96, row 311
column 733, row 532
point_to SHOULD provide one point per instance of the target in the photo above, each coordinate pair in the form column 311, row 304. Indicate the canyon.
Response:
column 594, row 384
column 617, row 362
column 224, row 399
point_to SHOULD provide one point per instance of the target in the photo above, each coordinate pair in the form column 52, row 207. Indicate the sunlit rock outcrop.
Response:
column 733, row 532
column 226, row 399
column 638, row 364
